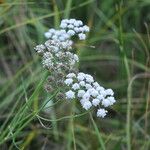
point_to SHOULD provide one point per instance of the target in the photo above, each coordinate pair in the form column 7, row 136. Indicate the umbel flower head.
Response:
column 90, row 94
column 58, row 58
column 69, row 28
column 55, row 52
column 56, row 55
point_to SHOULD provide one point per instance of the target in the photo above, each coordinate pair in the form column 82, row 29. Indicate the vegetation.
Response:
column 116, row 53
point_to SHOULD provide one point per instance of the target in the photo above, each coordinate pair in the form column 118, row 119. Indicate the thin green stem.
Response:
column 126, row 65
column 98, row 133
column 129, row 106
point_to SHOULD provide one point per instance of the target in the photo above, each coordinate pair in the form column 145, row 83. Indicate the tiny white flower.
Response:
column 54, row 37
column 65, row 21
column 70, row 94
column 87, row 105
column 95, row 102
column 56, row 49
column 72, row 62
column 61, row 38
column 111, row 100
column 71, row 32
column 80, row 22
column 88, row 76
column 94, row 93
column 89, row 90
column 71, row 21
column 95, row 84
column 52, row 31
column 47, row 35
column 82, row 83
column 68, row 81
column 47, row 62
column 66, row 36
column 109, row 92
column 63, row 25
column 81, row 93
column 71, row 75
column 76, row 23
column 76, row 58
column 57, row 32
column 83, row 100
column 102, row 92
column 62, row 31
column 88, row 86
column 82, row 36
column 76, row 29
column 75, row 86
column 99, row 89
column 100, row 97
column 101, row 112
column 66, row 44
column 81, row 29
column 86, row 28
column 86, row 96
column 90, row 79
column 70, row 26
column 80, row 78
column 40, row 48
column 81, row 74
column 106, row 102
column 70, row 42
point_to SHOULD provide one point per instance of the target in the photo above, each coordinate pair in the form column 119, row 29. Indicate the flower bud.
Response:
column 60, row 83
column 60, row 95
column 50, row 79
column 48, row 88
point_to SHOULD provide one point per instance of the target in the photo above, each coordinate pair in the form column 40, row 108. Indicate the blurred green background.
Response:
column 116, row 53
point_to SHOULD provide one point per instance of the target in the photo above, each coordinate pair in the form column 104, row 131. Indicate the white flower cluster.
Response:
column 54, row 46
column 40, row 48
column 69, row 28
column 60, row 35
column 55, row 51
column 56, row 56
column 83, row 87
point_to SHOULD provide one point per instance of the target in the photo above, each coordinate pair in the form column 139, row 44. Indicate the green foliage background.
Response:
column 120, row 60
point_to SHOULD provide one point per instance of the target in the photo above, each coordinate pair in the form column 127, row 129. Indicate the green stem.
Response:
column 101, row 142
column 126, row 65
